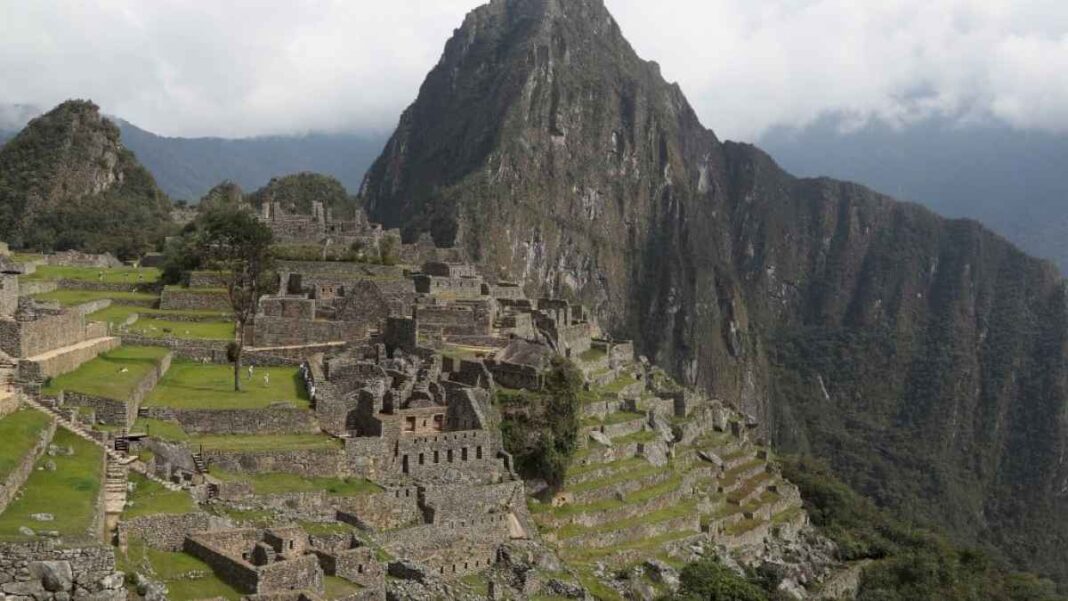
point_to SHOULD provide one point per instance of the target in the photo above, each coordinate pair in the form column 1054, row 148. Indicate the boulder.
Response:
column 55, row 576
column 600, row 438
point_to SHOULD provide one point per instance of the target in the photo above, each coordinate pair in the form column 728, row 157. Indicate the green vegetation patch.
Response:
column 270, row 484
column 267, row 442
column 79, row 297
column 338, row 588
column 190, row 385
column 20, row 431
column 151, row 498
column 113, row 375
column 112, row 275
column 161, row 429
column 69, row 493
column 118, row 314
column 185, row 576
column 158, row 328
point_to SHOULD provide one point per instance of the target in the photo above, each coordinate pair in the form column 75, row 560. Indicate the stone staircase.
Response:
column 120, row 459
column 115, row 487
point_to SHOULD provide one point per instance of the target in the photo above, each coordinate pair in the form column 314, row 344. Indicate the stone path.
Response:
column 121, row 459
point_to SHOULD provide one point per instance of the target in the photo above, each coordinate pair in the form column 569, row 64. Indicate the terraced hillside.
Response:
column 661, row 471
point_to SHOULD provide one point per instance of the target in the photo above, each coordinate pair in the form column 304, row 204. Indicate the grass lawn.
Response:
column 190, row 385
column 104, row 376
column 69, row 493
column 79, row 297
column 338, row 588
column 150, row 498
column 20, row 431
column 158, row 328
column 267, row 442
column 119, row 313
column 113, row 275
column 617, row 385
column 269, row 484
column 163, row 430
column 173, row 569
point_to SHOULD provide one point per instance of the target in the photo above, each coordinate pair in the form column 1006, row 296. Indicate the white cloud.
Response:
column 185, row 67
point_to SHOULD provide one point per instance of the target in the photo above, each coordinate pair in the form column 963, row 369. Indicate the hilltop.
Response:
column 923, row 357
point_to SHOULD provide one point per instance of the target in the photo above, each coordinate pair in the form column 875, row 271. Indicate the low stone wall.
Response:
column 48, row 332
column 45, row 571
column 193, row 299
column 326, row 463
column 383, row 511
column 208, row 351
column 116, row 412
column 133, row 286
column 92, row 306
column 74, row 258
column 59, row 364
column 239, row 421
column 34, row 287
column 167, row 532
column 14, row 481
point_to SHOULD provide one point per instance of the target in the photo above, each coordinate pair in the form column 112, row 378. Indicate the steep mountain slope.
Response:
column 189, row 167
column 1011, row 180
column 66, row 181
column 924, row 357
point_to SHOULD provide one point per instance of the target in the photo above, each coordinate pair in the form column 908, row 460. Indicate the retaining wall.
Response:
column 14, row 481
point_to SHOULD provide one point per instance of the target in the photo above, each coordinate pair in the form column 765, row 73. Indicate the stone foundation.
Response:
column 44, row 571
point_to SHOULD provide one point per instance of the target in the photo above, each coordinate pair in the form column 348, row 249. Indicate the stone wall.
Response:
column 207, row 279
column 387, row 510
column 44, row 570
column 401, row 333
column 223, row 550
column 280, row 331
column 61, row 363
column 47, row 332
column 167, row 532
column 451, row 455
column 73, row 258
column 318, row 463
column 239, row 421
column 120, row 412
column 208, row 351
column 192, row 299
column 14, row 481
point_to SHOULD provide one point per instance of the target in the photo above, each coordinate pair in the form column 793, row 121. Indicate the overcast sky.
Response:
column 240, row 68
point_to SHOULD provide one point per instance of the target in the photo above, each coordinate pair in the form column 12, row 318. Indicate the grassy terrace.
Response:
column 619, row 417
column 69, row 493
column 78, row 297
column 617, row 385
column 120, row 313
column 174, row 570
column 113, row 375
column 270, row 442
column 157, row 328
column 271, row 484
column 150, row 498
column 652, row 517
column 113, row 275
column 164, row 430
column 190, row 385
column 20, row 431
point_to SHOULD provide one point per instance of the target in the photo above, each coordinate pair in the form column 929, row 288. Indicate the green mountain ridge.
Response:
column 67, row 181
column 923, row 357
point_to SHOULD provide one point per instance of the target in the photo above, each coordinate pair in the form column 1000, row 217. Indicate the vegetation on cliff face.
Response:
column 925, row 358
column 541, row 429
column 67, row 182
column 908, row 564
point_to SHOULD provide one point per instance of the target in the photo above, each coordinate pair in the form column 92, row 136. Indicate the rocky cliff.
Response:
column 66, row 181
column 925, row 358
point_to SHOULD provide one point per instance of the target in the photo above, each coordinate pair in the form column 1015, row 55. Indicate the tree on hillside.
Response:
column 233, row 242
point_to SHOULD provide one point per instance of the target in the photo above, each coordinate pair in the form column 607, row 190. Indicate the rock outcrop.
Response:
column 924, row 357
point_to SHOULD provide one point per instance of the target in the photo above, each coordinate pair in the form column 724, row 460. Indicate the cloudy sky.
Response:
column 241, row 68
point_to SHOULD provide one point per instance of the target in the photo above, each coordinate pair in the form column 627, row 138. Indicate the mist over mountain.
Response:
column 1013, row 181
column 187, row 168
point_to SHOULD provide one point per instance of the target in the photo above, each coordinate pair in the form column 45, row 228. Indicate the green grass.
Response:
column 325, row 528
column 623, row 476
column 173, row 570
column 268, row 442
column 158, row 328
column 114, row 275
column 118, row 314
column 653, row 517
column 617, row 385
column 161, row 429
column 190, row 385
column 151, row 498
column 79, row 297
column 593, row 354
column 269, row 484
column 104, row 376
column 20, row 431
column 69, row 493
column 338, row 588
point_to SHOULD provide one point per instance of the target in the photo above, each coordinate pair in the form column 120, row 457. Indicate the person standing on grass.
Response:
column 250, row 370
column 266, row 380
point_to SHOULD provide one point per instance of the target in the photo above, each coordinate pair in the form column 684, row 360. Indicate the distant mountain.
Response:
column 67, row 181
column 1013, row 181
column 187, row 168
column 925, row 358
